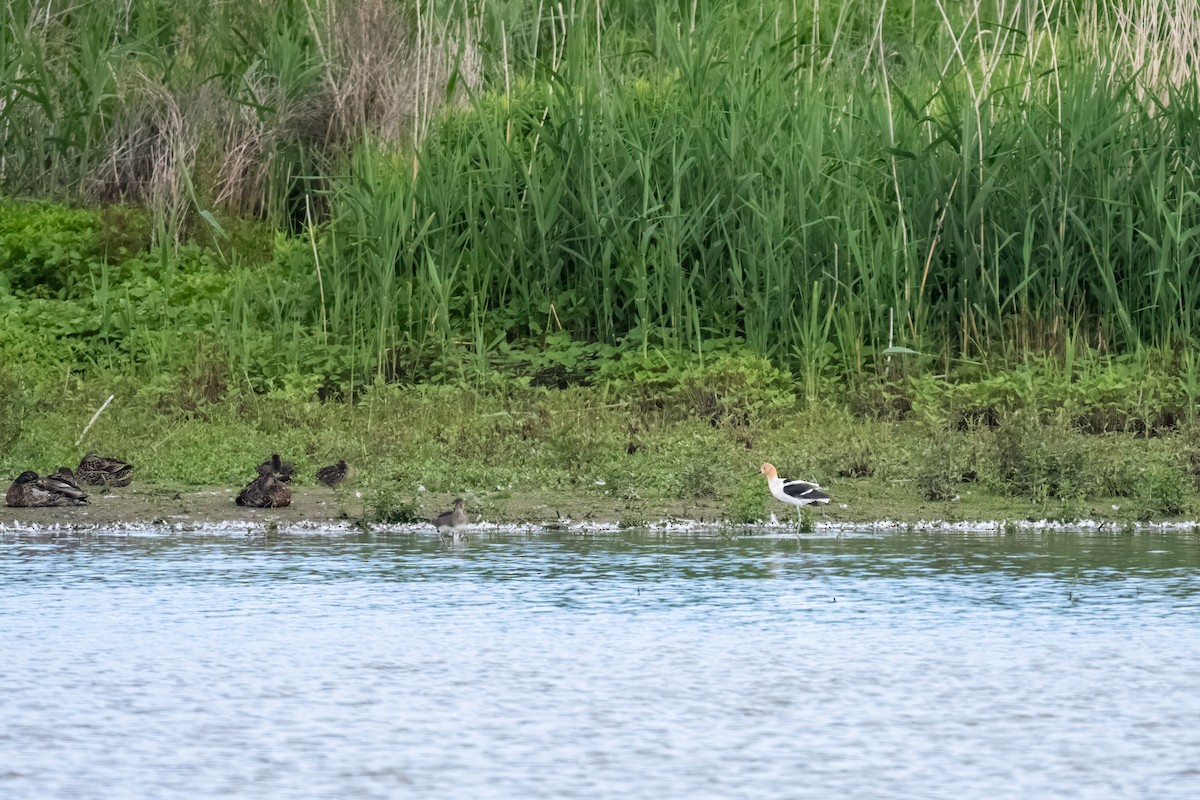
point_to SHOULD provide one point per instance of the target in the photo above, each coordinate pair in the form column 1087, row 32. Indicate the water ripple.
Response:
column 931, row 665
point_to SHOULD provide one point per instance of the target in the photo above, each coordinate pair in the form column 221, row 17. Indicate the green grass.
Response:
column 462, row 182
column 628, row 250
column 638, row 457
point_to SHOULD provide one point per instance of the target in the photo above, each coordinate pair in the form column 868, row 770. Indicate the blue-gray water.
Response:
column 933, row 665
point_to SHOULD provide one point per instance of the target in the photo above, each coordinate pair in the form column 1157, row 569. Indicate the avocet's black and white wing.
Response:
column 804, row 491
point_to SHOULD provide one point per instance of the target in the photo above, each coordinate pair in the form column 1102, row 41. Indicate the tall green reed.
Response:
column 818, row 181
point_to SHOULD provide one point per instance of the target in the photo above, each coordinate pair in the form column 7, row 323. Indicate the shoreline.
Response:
column 164, row 510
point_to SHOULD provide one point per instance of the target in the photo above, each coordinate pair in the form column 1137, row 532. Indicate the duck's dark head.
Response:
column 458, row 502
column 28, row 476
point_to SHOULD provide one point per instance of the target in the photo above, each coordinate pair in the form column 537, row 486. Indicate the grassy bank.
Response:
column 917, row 251
column 688, row 446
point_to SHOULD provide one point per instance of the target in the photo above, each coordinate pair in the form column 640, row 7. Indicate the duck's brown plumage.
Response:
column 334, row 473
column 282, row 470
column 99, row 470
column 269, row 489
column 59, row 489
column 265, row 491
column 64, row 478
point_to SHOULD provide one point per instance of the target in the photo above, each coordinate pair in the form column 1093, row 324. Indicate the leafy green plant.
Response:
column 632, row 518
column 940, row 471
column 1039, row 462
column 45, row 250
column 748, row 503
column 1163, row 491
column 383, row 504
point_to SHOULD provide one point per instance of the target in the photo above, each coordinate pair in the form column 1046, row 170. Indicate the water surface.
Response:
column 938, row 665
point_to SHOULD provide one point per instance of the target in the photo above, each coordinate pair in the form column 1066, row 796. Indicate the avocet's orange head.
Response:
column 768, row 470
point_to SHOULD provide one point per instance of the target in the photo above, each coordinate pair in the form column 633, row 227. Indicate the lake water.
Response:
column 938, row 665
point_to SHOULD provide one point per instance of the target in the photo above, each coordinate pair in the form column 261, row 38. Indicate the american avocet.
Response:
column 797, row 493
column 58, row 489
column 104, row 471
column 448, row 522
column 333, row 474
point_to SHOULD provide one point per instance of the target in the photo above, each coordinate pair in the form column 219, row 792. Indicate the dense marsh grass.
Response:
column 831, row 185
column 212, row 103
column 965, row 186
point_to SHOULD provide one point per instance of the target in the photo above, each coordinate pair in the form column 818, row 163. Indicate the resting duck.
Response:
column 333, row 474
column 796, row 493
column 59, row 489
column 104, row 471
column 448, row 522
column 269, row 489
column 282, row 470
column 65, row 477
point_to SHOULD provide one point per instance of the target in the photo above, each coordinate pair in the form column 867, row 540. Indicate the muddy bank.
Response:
column 167, row 509
column 189, row 508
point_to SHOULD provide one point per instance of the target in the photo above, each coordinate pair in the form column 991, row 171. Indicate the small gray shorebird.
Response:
column 792, row 492
column 449, row 522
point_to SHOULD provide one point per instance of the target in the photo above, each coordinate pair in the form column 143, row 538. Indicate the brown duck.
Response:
column 65, row 477
column 334, row 474
column 282, row 470
column 58, row 489
column 101, row 470
column 269, row 489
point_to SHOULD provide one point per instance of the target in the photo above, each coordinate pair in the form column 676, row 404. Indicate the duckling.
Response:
column 334, row 474
column 101, row 470
column 448, row 522
column 269, row 489
column 59, row 489
column 283, row 470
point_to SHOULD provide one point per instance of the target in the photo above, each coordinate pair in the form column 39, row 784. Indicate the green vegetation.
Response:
column 651, row 449
column 644, row 243
column 817, row 183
